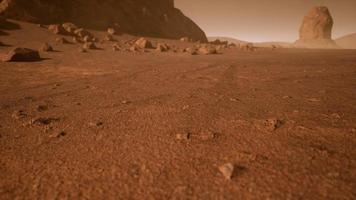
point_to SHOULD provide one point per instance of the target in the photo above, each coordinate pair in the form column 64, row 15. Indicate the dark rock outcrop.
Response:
column 316, row 29
column 21, row 55
column 157, row 18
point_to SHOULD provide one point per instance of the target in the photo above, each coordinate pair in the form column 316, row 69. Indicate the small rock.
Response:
column 247, row 47
column 227, row 170
column 185, row 39
column 134, row 49
column 234, row 99
column 58, row 134
column 82, row 50
column 87, row 38
column 116, row 47
column 126, row 102
column 77, row 40
column 46, row 47
column 111, row 31
column 42, row 108
column 89, row 45
column 183, row 136
column 143, row 43
column 57, row 29
column 20, row 114
column 96, row 124
column 20, row 54
column 272, row 124
column 80, row 32
column 191, row 51
column 61, row 40
column 162, row 47
column 41, row 121
column 207, row 135
column 69, row 27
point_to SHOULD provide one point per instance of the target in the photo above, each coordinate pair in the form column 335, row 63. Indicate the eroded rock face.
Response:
column 156, row 18
column 316, row 29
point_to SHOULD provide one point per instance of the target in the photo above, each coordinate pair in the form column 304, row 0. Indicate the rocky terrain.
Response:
column 316, row 29
column 100, row 115
column 156, row 18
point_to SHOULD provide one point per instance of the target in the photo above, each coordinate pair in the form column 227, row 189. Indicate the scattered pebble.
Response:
column 125, row 102
column 20, row 114
column 97, row 124
column 207, row 135
column 270, row 124
column 42, row 121
column 58, row 134
column 183, row 136
column 234, row 99
column 41, row 108
column 89, row 45
column 46, row 47
column 227, row 170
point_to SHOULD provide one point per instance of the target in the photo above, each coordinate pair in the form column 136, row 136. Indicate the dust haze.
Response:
column 263, row 21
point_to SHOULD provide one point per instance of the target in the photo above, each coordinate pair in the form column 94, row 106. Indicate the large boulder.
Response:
column 157, row 18
column 21, row 55
column 316, row 29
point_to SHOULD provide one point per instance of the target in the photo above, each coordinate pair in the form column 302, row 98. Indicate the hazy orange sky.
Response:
column 264, row 20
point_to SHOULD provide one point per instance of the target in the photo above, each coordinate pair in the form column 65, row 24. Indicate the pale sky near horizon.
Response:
column 264, row 20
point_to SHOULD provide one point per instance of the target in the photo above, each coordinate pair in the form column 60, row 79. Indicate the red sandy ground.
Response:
column 115, row 117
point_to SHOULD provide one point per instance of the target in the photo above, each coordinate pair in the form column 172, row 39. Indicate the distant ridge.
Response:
column 347, row 41
column 229, row 39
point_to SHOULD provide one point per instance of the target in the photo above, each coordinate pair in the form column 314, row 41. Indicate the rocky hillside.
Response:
column 158, row 18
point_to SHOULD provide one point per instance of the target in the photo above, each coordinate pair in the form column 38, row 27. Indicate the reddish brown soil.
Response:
column 104, row 124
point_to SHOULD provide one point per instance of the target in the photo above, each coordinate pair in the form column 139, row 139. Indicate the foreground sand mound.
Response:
column 316, row 29
column 157, row 18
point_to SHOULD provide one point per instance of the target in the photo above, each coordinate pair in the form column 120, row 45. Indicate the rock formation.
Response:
column 316, row 29
column 19, row 54
column 157, row 18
